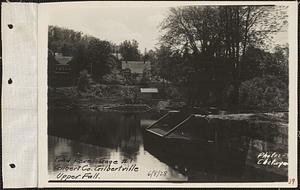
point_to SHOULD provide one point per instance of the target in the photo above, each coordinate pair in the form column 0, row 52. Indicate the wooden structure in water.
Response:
column 176, row 124
column 222, row 140
column 130, row 108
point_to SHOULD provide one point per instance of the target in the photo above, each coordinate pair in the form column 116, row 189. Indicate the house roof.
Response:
column 136, row 66
column 149, row 90
column 63, row 60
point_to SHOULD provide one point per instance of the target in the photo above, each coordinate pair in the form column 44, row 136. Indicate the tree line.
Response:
column 215, row 42
column 215, row 52
column 217, row 48
column 88, row 52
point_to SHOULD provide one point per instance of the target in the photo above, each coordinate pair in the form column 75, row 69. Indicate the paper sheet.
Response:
column 19, row 98
column 24, row 99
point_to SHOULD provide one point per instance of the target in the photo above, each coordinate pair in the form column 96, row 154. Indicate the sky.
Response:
column 114, row 24
column 117, row 22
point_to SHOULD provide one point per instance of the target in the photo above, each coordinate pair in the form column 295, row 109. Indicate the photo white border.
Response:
column 42, row 94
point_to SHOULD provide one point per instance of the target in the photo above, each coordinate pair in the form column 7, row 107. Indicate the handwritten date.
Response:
column 156, row 173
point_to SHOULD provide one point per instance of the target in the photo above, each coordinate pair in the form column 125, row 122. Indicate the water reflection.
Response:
column 103, row 135
column 117, row 131
column 94, row 135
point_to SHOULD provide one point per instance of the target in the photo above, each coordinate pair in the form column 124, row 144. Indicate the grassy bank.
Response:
column 102, row 96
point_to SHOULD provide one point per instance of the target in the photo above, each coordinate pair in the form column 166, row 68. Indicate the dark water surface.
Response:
column 118, row 136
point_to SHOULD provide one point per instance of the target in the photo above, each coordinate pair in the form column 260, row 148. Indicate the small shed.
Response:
column 149, row 93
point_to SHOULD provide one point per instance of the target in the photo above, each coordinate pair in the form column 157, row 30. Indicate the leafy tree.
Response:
column 220, row 30
column 129, row 50
column 98, row 53
column 150, row 56
column 259, row 63
column 89, row 53
column 51, row 68
column 265, row 78
column 63, row 40
column 253, row 61
column 168, row 65
column 266, row 93
column 281, row 58
column 214, row 37
column 79, row 61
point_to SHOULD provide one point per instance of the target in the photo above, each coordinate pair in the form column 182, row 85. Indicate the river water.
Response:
column 117, row 136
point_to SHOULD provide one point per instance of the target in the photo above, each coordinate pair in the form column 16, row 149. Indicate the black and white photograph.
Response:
column 174, row 93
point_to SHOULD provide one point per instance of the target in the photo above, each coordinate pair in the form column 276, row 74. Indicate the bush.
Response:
column 129, row 94
column 84, row 81
column 265, row 93
column 172, row 92
column 113, row 78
